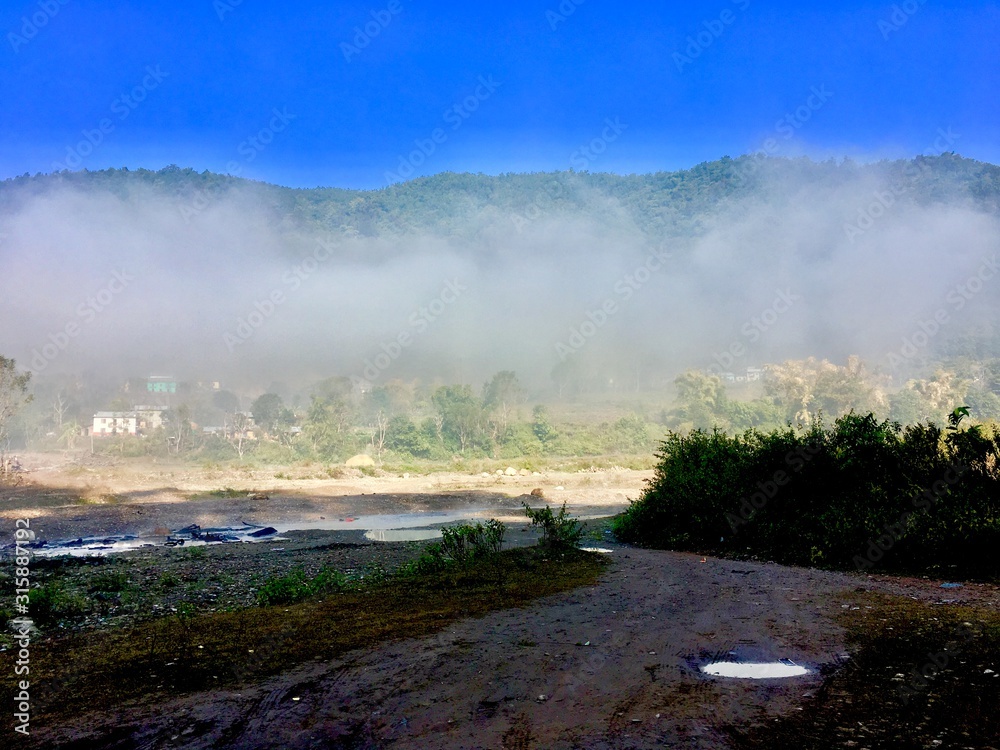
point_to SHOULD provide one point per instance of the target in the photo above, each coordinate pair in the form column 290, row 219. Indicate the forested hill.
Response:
column 661, row 204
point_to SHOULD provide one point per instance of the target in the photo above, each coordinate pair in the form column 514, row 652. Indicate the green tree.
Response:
column 462, row 416
column 701, row 398
column 501, row 396
column 906, row 406
column 270, row 414
column 541, row 426
column 403, row 436
column 13, row 395
column 327, row 427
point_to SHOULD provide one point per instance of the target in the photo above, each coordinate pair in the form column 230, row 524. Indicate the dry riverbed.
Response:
column 612, row 664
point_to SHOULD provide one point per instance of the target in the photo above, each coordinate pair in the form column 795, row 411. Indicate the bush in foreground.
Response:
column 559, row 531
column 863, row 494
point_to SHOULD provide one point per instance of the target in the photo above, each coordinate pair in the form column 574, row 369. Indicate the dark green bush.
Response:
column 460, row 545
column 110, row 582
column 559, row 531
column 862, row 494
column 286, row 589
column 52, row 603
column 465, row 542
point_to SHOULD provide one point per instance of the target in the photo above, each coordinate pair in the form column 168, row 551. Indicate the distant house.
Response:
column 139, row 421
column 240, row 424
column 161, row 384
column 115, row 423
column 150, row 417
column 750, row 375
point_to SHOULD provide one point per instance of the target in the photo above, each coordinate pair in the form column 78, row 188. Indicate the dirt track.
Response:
column 649, row 623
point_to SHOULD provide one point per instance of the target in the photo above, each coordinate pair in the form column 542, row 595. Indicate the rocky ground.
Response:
column 615, row 665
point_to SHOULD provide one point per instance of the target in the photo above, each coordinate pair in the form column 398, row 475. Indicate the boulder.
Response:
column 362, row 459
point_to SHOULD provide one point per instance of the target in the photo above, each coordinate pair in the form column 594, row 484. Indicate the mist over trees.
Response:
column 465, row 314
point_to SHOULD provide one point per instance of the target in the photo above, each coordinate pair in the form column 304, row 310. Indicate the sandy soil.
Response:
column 78, row 495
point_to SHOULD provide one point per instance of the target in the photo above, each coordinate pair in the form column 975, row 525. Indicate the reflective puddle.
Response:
column 402, row 535
column 755, row 670
column 396, row 527
column 380, row 522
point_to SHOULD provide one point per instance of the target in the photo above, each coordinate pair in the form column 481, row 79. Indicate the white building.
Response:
column 115, row 423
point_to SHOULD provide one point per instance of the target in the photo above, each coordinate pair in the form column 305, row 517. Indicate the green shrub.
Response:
column 168, row 580
column 286, row 589
column 431, row 560
column 328, row 581
column 862, row 494
column 460, row 545
column 110, row 582
column 559, row 531
column 228, row 492
column 52, row 603
column 465, row 543
column 296, row 586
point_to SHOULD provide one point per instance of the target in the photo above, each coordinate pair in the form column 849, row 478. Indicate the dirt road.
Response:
column 609, row 666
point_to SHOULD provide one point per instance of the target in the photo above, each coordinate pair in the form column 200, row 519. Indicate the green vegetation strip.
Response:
column 919, row 678
column 863, row 494
column 181, row 654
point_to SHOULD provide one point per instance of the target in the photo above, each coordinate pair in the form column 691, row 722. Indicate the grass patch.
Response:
column 54, row 603
column 918, row 679
column 110, row 582
column 187, row 652
column 296, row 586
column 228, row 492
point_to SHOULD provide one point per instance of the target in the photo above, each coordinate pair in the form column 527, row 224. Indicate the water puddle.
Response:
column 402, row 535
column 189, row 536
column 602, row 550
column 756, row 670
column 396, row 527
column 382, row 521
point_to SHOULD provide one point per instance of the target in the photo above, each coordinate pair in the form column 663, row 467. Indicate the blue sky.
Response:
column 619, row 87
